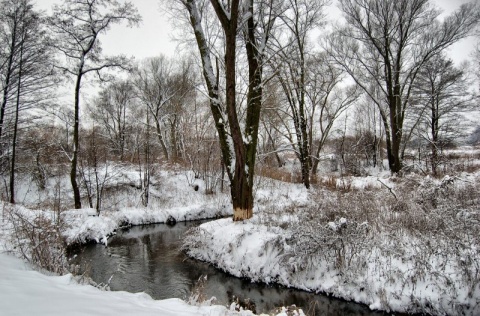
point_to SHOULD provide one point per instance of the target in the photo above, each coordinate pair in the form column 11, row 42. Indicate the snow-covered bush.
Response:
column 337, row 241
column 37, row 238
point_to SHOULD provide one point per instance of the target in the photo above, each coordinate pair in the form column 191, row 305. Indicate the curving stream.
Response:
column 148, row 259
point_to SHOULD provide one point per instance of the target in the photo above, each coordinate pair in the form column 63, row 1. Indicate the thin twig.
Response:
column 389, row 189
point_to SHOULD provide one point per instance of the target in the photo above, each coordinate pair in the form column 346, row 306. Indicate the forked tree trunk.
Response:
column 238, row 147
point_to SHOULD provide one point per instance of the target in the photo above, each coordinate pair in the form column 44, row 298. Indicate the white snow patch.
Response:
column 27, row 292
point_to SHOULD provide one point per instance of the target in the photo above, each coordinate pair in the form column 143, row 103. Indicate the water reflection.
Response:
column 147, row 258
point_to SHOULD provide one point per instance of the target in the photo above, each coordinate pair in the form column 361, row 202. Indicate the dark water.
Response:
column 148, row 259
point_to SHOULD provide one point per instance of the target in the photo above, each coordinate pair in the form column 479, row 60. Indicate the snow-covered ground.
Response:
column 172, row 194
column 417, row 253
column 24, row 291
column 406, row 244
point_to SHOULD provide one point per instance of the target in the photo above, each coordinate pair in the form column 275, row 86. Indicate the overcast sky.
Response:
column 153, row 36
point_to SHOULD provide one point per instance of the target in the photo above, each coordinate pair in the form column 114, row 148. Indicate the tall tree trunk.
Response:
column 146, row 174
column 434, row 143
column 8, row 75
column 306, row 160
column 173, row 137
column 241, row 185
column 395, row 160
column 15, row 127
column 73, row 169
column 242, row 192
column 160, row 138
column 244, row 148
column 244, row 209
column 388, row 139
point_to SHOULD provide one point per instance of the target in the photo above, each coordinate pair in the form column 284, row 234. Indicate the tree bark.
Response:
column 160, row 137
column 73, row 168
column 434, row 131
column 8, row 75
column 244, row 148
column 15, row 126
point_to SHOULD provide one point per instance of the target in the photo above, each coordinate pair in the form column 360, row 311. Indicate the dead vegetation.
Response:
column 429, row 227
column 37, row 238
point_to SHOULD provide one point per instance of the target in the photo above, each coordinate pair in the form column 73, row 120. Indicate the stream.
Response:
column 147, row 259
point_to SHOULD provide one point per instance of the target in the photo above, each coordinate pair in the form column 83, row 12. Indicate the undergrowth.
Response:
column 37, row 238
column 420, row 232
column 409, row 244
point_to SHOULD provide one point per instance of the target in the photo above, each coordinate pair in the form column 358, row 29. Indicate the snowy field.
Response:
column 397, row 244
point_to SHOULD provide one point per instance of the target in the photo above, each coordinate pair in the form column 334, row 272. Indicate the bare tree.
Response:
column 441, row 93
column 12, row 18
column 163, row 88
column 301, row 17
column 311, row 84
column 387, row 42
column 238, row 147
column 178, row 107
column 273, row 125
column 112, row 111
column 78, row 25
column 27, row 76
column 94, row 160
column 369, row 131
column 329, row 97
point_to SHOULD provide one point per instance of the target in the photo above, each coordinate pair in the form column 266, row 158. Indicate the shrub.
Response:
column 38, row 239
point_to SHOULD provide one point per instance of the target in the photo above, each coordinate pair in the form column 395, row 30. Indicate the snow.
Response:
column 402, row 271
column 171, row 192
column 24, row 291
column 263, row 254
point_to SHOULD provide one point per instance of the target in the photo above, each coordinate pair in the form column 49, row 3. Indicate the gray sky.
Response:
column 153, row 36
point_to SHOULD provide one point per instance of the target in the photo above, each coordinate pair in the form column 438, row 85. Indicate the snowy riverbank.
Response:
column 24, row 291
column 403, row 245
column 27, row 292
column 414, row 250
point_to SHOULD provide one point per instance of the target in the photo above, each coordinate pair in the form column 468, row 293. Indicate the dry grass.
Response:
column 438, row 216
column 279, row 174
column 38, row 239
column 197, row 295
